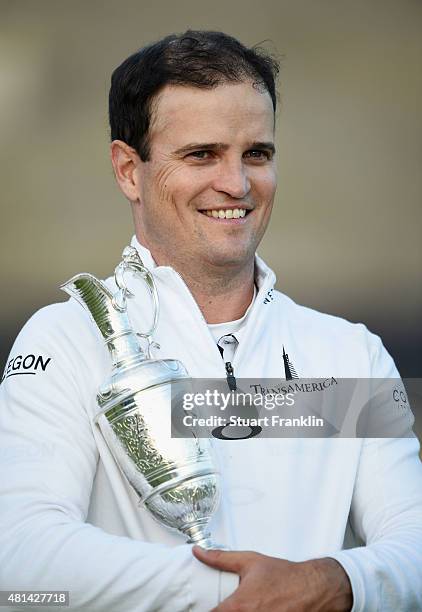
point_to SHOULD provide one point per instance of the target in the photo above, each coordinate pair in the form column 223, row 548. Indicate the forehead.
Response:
column 229, row 110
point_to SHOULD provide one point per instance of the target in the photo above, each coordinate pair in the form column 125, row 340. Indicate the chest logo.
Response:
column 289, row 369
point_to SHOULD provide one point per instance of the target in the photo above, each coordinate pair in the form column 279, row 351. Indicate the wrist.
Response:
column 333, row 586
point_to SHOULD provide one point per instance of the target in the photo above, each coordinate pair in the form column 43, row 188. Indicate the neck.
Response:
column 223, row 298
column 223, row 293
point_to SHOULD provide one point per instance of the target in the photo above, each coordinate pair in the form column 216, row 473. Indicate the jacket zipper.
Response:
column 231, row 380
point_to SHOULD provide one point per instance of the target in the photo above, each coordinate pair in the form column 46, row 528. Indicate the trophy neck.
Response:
column 110, row 318
column 125, row 349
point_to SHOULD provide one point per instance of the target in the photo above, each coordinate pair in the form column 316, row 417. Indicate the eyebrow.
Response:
column 221, row 146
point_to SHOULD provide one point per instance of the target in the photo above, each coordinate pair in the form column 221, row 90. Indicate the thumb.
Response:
column 228, row 561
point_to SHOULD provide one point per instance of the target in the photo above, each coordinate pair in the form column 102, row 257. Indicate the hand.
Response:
column 267, row 583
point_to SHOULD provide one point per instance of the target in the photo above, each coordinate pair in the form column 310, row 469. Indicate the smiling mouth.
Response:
column 226, row 213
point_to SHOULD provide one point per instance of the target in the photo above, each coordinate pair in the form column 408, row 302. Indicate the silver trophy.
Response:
column 175, row 478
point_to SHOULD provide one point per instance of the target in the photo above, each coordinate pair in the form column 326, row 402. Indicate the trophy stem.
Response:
column 201, row 538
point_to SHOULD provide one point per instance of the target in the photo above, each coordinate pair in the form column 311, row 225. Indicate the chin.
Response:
column 230, row 258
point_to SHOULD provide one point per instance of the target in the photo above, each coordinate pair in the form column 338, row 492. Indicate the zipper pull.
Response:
column 227, row 346
column 231, row 380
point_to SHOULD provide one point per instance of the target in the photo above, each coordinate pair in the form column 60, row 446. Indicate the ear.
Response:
column 125, row 161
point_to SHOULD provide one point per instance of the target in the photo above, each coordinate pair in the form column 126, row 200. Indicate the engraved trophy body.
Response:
column 175, row 478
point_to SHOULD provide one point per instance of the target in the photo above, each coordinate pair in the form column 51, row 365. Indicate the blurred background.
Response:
column 346, row 231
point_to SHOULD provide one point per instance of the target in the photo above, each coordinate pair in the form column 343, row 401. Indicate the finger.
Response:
column 228, row 561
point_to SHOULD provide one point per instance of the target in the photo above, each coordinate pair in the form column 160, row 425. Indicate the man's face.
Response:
column 205, row 196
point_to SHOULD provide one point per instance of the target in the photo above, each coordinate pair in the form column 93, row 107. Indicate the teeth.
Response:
column 228, row 213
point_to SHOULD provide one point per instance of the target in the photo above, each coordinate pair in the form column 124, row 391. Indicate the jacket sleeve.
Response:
column 48, row 459
column 386, row 515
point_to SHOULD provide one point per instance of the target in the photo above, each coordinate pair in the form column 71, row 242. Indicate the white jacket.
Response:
column 70, row 521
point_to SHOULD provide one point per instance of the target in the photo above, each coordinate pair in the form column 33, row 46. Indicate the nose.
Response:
column 232, row 178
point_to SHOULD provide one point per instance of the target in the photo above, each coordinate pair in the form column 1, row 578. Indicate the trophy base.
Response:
column 200, row 538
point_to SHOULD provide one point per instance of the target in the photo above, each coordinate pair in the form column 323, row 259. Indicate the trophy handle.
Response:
column 132, row 262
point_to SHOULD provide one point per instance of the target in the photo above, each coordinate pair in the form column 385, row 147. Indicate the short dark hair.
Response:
column 198, row 58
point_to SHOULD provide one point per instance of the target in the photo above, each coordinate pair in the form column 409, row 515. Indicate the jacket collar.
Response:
column 264, row 276
column 198, row 341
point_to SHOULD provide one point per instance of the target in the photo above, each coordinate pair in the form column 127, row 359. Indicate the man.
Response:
column 192, row 127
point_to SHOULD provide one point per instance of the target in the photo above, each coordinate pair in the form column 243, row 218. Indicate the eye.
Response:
column 258, row 154
column 201, row 155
